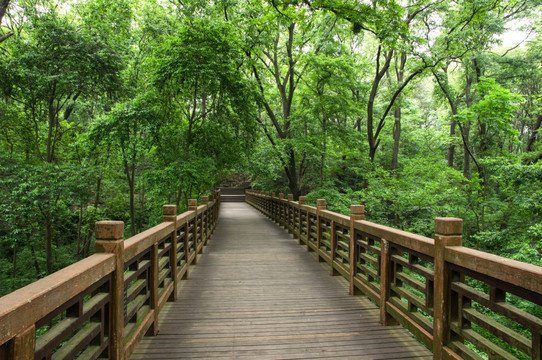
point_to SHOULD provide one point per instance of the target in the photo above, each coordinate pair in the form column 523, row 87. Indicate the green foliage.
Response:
column 110, row 109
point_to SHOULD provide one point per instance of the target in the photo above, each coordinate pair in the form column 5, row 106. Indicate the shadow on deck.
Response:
column 256, row 294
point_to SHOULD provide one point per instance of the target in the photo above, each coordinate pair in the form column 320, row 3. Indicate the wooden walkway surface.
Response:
column 256, row 294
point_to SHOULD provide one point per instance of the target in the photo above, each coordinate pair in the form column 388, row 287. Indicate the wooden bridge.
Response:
column 255, row 293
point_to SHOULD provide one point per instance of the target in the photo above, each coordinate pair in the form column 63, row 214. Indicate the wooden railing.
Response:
column 461, row 303
column 102, row 306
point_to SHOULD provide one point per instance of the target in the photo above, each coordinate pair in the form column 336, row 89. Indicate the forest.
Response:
column 415, row 108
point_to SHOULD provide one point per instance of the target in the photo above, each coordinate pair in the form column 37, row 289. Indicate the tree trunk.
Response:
column 14, row 262
column 3, row 8
column 466, row 130
column 132, row 201
column 372, row 136
column 451, row 147
column 400, row 74
column 533, row 135
column 324, row 149
column 33, row 252
column 86, row 247
column 49, row 243
column 396, row 138
column 98, row 188
column 291, row 173
column 79, row 227
column 466, row 155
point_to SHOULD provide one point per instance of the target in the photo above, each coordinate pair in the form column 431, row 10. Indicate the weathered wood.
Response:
column 256, row 294
column 24, row 307
column 139, row 243
column 112, row 242
column 510, row 271
column 447, row 233
column 415, row 242
column 420, row 282
column 169, row 214
column 22, row 347
column 357, row 212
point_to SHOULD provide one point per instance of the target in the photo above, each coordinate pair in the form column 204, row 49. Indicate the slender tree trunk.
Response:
column 396, row 139
column 132, row 201
column 372, row 136
column 98, row 189
column 451, row 147
column 324, row 149
column 533, row 135
column 400, row 74
column 466, row 130
column 34, row 257
column 466, row 155
column 86, row 247
column 49, row 243
column 79, row 227
column 14, row 262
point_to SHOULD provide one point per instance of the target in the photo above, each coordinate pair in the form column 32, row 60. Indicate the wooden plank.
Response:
column 256, row 293
column 523, row 275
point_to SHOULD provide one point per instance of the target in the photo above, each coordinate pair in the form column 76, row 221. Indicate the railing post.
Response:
column 193, row 206
column 23, row 345
column 357, row 212
column 448, row 232
column 302, row 202
column 169, row 214
column 320, row 206
column 109, row 239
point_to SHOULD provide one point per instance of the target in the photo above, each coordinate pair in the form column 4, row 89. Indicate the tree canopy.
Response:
column 417, row 109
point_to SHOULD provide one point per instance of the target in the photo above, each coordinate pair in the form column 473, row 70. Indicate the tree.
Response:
column 203, row 94
column 133, row 127
column 49, row 71
column 3, row 8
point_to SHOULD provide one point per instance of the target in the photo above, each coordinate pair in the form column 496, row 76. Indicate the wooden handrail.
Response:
column 459, row 302
column 103, row 305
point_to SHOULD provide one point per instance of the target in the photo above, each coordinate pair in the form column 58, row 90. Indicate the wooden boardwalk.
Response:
column 256, row 294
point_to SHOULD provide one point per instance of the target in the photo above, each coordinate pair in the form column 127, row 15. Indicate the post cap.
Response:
column 448, row 226
column 281, row 196
column 204, row 199
column 357, row 209
column 273, row 194
column 109, row 230
column 321, row 204
column 290, row 197
column 192, row 203
column 169, row 210
column 302, row 200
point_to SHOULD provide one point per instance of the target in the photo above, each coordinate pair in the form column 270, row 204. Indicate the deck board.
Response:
column 256, row 294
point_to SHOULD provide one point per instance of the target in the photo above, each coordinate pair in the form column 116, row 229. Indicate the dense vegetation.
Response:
column 417, row 109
